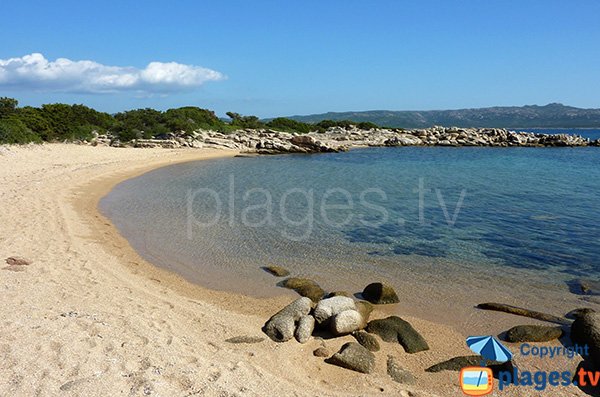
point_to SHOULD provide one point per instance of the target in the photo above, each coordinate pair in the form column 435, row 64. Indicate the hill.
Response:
column 554, row 115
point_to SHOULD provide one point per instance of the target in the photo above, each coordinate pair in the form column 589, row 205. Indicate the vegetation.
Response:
column 60, row 122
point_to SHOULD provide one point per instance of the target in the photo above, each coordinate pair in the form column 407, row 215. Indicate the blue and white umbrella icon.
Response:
column 490, row 348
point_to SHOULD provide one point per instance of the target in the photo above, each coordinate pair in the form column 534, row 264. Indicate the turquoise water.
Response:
column 431, row 215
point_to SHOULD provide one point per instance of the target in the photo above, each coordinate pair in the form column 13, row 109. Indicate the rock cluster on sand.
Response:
column 267, row 141
column 337, row 315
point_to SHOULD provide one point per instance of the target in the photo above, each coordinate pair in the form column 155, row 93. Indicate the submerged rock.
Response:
column 394, row 329
column 282, row 325
column 533, row 333
column 277, row 271
column 367, row 340
column 304, row 287
column 379, row 293
column 355, row 357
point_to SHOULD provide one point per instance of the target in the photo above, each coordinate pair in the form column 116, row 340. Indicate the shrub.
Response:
column 15, row 131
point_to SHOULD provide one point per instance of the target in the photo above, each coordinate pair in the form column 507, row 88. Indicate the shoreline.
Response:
column 91, row 317
column 87, row 205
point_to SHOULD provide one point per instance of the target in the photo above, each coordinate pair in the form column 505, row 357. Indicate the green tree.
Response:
column 8, row 106
column 13, row 131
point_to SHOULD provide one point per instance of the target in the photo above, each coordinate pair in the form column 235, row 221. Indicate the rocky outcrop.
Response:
column 355, row 357
column 335, row 139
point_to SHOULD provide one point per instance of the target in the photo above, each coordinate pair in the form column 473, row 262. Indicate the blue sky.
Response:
column 272, row 58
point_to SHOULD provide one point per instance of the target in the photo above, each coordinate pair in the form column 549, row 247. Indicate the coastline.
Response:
column 100, row 320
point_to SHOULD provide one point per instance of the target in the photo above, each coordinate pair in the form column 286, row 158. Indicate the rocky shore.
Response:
column 338, row 139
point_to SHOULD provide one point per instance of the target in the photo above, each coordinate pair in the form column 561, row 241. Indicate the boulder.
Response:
column 282, row 325
column 277, row 271
column 397, row 373
column 355, row 357
column 365, row 309
column 533, row 333
column 367, row 340
column 304, row 287
column 586, row 331
column 329, row 307
column 458, row 363
column 346, row 322
column 394, row 329
column 305, row 328
column 380, row 293
column 321, row 352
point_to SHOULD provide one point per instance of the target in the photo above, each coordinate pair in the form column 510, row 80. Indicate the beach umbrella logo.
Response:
column 489, row 348
column 479, row 381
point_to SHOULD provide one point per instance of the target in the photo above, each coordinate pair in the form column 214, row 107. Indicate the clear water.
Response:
column 511, row 220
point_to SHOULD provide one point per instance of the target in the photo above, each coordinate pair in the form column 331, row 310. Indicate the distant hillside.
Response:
column 549, row 116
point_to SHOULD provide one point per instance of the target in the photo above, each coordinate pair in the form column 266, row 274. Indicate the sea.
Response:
column 447, row 226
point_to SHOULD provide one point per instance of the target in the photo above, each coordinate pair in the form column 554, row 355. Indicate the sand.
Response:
column 90, row 317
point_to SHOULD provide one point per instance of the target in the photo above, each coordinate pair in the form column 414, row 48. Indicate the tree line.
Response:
column 61, row 122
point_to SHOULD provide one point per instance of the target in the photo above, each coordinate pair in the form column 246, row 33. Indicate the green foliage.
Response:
column 139, row 123
column 289, row 125
column 72, row 122
column 35, row 121
column 13, row 130
column 7, row 106
column 245, row 121
column 61, row 122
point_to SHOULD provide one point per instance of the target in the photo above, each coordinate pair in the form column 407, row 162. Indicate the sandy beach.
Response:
column 90, row 317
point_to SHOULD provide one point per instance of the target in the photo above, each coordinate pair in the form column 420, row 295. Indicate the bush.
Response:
column 289, row 125
column 15, row 131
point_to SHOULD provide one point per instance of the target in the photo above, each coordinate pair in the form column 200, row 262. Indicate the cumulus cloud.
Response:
column 35, row 72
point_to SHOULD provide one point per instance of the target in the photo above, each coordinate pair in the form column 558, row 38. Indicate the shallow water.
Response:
column 457, row 224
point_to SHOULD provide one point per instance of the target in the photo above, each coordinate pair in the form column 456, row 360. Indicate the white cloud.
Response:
column 35, row 72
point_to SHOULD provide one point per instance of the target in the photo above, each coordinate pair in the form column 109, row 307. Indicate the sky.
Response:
column 281, row 58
